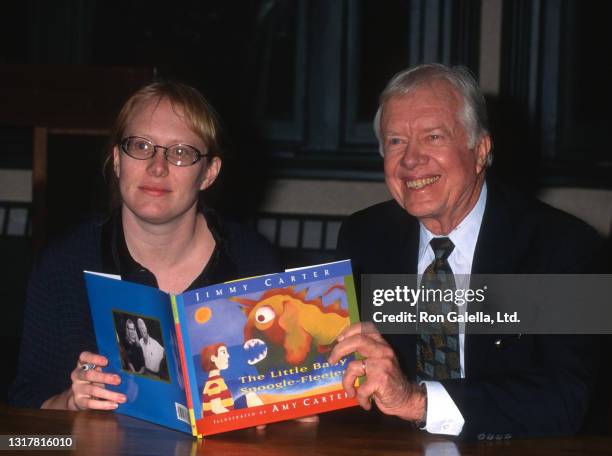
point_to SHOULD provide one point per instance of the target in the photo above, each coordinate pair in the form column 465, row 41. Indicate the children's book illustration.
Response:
column 241, row 353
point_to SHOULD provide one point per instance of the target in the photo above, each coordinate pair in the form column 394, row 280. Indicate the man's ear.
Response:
column 210, row 173
column 116, row 162
column 483, row 149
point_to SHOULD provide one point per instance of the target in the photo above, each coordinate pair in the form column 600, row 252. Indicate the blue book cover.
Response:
column 150, row 370
column 230, row 355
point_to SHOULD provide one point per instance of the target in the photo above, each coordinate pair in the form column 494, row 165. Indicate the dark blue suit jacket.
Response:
column 529, row 385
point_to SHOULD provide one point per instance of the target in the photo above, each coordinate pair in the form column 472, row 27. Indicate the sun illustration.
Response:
column 203, row 314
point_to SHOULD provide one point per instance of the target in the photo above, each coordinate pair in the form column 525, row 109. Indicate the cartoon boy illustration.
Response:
column 216, row 397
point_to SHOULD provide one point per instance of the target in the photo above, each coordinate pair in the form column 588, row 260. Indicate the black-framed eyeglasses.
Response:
column 176, row 154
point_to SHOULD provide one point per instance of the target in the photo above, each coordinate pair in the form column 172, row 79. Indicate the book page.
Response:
column 256, row 349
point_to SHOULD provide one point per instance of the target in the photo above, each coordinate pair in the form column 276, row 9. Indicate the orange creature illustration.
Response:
column 290, row 328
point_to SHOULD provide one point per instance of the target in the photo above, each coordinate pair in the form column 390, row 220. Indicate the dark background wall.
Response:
column 296, row 84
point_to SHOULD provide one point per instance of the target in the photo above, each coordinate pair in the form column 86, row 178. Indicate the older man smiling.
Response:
column 447, row 219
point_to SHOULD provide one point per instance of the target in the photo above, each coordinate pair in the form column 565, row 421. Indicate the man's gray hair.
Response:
column 474, row 115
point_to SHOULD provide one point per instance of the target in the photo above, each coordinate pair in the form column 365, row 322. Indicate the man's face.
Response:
column 131, row 334
column 143, row 329
column 429, row 168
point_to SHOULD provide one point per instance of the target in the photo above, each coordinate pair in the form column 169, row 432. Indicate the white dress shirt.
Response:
column 153, row 354
column 443, row 416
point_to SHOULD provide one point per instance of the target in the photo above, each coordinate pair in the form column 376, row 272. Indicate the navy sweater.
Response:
column 57, row 322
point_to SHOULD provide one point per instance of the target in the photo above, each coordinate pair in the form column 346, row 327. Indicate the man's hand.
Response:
column 385, row 383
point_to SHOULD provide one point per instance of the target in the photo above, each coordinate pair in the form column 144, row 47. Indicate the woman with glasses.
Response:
column 164, row 153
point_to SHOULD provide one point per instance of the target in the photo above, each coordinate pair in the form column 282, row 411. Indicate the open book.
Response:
column 230, row 355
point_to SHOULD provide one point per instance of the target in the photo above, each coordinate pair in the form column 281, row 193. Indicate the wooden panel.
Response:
column 68, row 96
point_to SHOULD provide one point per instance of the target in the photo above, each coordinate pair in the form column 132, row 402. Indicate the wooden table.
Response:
column 345, row 432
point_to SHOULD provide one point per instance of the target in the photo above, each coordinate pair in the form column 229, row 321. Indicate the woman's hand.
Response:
column 88, row 389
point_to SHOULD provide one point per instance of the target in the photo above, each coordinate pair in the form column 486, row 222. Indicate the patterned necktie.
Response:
column 438, row 343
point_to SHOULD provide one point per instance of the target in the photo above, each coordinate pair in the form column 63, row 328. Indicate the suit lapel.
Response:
column 401, row 250
column 495, row 254
column 404, row 240
column 495, row 248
